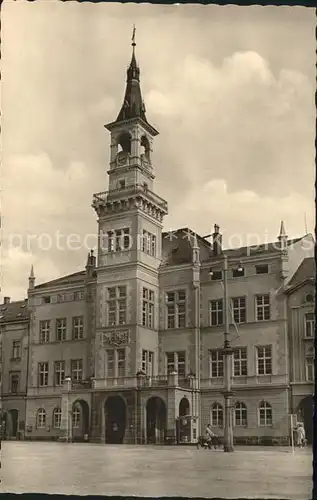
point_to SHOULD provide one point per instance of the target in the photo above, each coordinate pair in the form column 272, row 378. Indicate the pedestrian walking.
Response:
column 301, row 435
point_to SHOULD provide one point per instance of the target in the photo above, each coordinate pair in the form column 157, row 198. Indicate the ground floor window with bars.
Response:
column 176, row 362
column 265, row 414
column 216, row 363
column 41, row 419
column 57, row 418
column 216, row 415
column 241, row 415
column 76, row 417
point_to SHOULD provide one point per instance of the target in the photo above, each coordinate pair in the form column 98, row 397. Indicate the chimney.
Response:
column 6, row 300
column 216, row 241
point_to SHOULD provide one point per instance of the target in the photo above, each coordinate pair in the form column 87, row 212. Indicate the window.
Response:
column 79, row 295
column 76, row 417
column 217, row 415
column 216, row 275
column 240, row 362
column 148, row 308
column 110, row 363
column 121, row 362
column 310, row 369
column 309, row 325
column 240, row 415
column 122, row 239
column 59, row 372
column 262, row 269
column 263, row 308
column 237, row 273
column 147, row 362
column 117, row 305
column 46, row 300
column 16, row 349
column 41, row 419
column 45, row 327
column 265, row 414
column 57, row 418
column 176, row 309
column 239, row 310
column 43, row 374
column 14, row 382
column 216, row 363
column 61, row 326
column 78, row 327
column 176, row 362
column 148, row 243
column 216, row 312
column 121, row 183
column 61, row 297
column 76, row 369
column 264, row 360
column 309, row 298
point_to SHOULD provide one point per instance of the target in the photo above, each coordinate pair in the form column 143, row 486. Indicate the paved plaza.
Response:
column 155, row 471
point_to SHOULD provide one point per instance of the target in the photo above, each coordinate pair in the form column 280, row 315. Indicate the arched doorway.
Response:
column 80, row 420
column 14, row 418
column 115, row 420
column 305, row 414
column 155, row 420
column 184, row 408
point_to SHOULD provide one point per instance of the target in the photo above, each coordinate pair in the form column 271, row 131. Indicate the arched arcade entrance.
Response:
column 305, row 414
column 115, row 420
column 10, row 424
column 156, row 416
column 80, row 420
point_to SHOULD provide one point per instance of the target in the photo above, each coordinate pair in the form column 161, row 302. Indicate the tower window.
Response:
column 122, row 184
column 124, row 142
column 145, row 145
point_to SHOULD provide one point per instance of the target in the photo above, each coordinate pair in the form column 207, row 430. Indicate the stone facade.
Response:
column 129, row 350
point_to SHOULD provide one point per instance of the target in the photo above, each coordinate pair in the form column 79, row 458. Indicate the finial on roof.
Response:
column 133, row 37
column 32, row 272
column 282, row 231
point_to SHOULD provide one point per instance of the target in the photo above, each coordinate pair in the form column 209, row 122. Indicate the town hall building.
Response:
column 129, row 350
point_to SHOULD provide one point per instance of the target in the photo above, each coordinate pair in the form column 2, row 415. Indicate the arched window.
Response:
column 57, row 418
column 265, row 414
column 124, row 143
column 145, row 146
column 241, row 415
column 217, row 415
column 76, row 417
column 41, row 419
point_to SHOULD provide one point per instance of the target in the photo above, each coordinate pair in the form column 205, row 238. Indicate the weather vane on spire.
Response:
column 133, row 36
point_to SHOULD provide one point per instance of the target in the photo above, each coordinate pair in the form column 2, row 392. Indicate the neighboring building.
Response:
column 301, row 336
column 120, row 351
column 14, row 326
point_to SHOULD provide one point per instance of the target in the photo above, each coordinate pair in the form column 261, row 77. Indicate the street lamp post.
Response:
column 227, row 352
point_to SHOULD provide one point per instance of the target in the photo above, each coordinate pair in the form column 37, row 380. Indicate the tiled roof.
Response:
column 14, row 311
column 69, row 279
column 177, row 248
column 306, row 270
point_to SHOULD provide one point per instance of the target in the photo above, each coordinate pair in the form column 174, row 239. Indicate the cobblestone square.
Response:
column 155, row 471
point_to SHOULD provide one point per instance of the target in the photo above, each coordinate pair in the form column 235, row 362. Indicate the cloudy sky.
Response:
column 231, row 90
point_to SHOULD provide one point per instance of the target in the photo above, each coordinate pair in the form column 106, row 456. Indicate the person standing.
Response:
column 301, row 436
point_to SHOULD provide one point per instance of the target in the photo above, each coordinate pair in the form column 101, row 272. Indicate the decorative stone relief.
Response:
column 116, row 338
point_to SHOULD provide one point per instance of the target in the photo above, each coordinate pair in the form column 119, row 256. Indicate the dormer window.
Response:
column 262, row 269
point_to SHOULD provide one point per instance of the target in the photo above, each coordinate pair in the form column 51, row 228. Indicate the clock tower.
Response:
column 130, row 216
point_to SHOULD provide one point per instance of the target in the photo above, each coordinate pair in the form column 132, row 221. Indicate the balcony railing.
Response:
column 116, row 194
column 255, row 380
